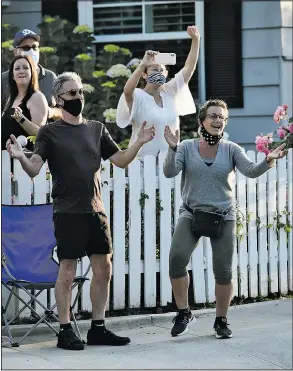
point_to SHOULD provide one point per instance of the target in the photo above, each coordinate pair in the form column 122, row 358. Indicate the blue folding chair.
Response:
column 28, row 264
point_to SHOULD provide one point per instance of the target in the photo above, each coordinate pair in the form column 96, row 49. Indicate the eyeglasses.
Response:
column 27, row 48
column 73, row 92
column 214, row 117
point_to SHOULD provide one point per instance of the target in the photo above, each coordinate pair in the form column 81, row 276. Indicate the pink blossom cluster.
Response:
column 283, row 130
column 280, row 113
column 266, row 143
column 262, row 143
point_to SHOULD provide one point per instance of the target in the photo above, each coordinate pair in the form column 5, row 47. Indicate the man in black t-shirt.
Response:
column 73, row 147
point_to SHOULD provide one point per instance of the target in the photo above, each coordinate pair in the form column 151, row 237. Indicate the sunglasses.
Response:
column 214, row 117
column 73, row 92
column 27, row 48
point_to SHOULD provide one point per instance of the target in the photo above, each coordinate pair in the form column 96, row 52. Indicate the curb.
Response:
column 128, row 322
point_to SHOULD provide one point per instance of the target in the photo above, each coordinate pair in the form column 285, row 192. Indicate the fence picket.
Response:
column 270, row 267
column 262, row 231
column 134, row 249
column 242, row 240
column 106, row 186
column 118, row 238
column 105, row 181
column 290, row 217
column 40, row 197
column 273, row 242
column 165, row 233
column 235, row 256
column 282, row 208
column 252, row 233
column 177, row 197
column 85, row 294
column 198, row 273
column 6, row 179
column 209, row 275
column 23, row 197
column 150, row 231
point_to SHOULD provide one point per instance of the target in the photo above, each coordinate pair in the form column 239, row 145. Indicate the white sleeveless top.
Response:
column 177, row 100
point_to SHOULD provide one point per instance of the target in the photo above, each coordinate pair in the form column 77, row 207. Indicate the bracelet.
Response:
column 22, row 120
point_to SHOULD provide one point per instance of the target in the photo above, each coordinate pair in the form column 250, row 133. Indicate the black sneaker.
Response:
column 68, row 340
column 181, row 322
column 221, row 328
column 102, row 336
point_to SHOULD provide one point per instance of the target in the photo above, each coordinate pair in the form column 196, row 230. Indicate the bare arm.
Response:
column 31, row 166
column 133, row 80
column 191, row 61
column 54, row 113
column 38, row 108
column 123, row 158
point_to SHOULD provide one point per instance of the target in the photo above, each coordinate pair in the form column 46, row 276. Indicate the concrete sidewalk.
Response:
column 262, row 340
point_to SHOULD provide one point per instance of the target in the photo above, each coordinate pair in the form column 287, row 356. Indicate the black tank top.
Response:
column 10, row 126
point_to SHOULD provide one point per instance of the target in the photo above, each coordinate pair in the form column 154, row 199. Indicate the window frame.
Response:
column 86, row 16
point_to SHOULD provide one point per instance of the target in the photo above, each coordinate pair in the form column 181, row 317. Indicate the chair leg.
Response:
column 35, row 312
column 26, row 304
column 72, row 312
column 34, row 326
column 8, row 328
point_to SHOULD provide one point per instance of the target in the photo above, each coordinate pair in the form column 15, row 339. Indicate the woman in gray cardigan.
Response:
column 207, row 165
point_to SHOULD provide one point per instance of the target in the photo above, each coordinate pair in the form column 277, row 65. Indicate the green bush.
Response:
column 67, row 47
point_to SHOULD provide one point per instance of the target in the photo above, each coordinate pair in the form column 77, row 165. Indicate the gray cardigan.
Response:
column 206, row 187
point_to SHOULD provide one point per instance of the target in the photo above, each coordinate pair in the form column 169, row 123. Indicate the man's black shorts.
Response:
column 78, row 235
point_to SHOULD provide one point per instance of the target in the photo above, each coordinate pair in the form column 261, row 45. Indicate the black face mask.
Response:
column 74, row 107
column 209, row 138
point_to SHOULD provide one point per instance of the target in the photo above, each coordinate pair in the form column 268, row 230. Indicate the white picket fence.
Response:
column 262, row 261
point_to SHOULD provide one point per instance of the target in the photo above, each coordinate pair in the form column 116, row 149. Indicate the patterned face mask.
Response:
column 209, row 138
column 156, row 78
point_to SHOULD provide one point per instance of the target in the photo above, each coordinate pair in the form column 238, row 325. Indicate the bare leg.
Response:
column 180, row 290
column 100, row 284
column 63, row 289
column 223, row 299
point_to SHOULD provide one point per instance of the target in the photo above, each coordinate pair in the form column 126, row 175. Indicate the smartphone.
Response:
column 165, row 58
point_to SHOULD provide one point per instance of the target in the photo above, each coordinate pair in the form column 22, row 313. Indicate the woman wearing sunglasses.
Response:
column 26, row 108
column 208, row 167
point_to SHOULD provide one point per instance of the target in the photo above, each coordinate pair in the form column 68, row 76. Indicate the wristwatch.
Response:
column 22, row 120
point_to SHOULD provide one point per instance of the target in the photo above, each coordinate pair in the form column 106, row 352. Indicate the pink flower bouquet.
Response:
column 283, row 134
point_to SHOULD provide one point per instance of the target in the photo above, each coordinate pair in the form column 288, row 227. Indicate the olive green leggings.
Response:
column 184, row 243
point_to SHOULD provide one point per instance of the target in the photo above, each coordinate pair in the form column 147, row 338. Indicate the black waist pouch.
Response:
column 205, row 223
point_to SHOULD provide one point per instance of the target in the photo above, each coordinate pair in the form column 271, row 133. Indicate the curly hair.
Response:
column 210, row 103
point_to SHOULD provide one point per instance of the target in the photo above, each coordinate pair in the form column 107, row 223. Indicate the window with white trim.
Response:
column 161, row 25
column 149, row 24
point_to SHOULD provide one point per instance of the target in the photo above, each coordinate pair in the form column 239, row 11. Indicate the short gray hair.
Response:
column 61, row 79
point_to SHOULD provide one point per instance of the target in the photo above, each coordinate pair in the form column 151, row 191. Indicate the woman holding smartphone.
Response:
column 159, row 103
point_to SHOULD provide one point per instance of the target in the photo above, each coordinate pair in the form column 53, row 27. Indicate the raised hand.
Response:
column 148, row 58
column 193, row 32
column 14, row 148
column 145, row 135
column 277, row 153
column 171, row 139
